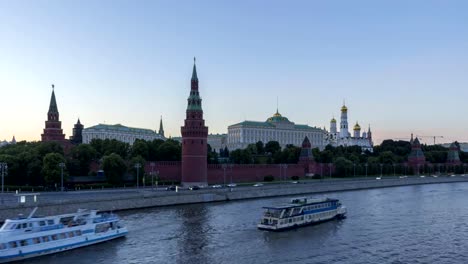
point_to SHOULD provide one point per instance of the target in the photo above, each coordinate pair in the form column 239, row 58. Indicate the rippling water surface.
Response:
column 413, row 224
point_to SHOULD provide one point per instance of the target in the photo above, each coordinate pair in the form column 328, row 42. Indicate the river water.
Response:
column 411, row 224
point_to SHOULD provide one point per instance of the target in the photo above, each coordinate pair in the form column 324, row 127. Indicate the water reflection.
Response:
column 193, row 232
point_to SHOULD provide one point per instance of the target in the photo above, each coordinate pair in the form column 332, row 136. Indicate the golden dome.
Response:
column 344, row 108
column 357, row 126
column 333, row 120
column 277, row 114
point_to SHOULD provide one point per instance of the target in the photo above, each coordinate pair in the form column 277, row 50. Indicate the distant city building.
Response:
column 5, row 143
column 344, row 138
column 120, row 133
column 217, row 141
column 276, row 128
column 53, row 127
column 77, row 137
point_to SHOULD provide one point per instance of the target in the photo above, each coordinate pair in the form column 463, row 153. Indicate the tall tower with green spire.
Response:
column 161, row 129
column 53, row 127
column 194, row 138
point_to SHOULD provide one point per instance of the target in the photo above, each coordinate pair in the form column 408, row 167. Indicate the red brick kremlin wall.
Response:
column 171, row 171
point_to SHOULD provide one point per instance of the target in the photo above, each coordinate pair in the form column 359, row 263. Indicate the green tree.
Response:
column 260, row 147
column 272, row 147
column 83, row 154
column 343, row 166
column 140, row 148
column 51, row 169
column 170, row 150
column 114, row 168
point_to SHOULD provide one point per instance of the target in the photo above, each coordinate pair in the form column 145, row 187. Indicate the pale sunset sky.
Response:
column 401, row 66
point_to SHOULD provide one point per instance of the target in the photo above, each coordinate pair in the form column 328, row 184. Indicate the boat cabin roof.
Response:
column 301, row 201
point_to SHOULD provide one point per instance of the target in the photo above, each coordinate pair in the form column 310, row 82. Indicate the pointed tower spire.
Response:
column 53, row 103
column 161, row 129
column 194, row 72
column 78, row 121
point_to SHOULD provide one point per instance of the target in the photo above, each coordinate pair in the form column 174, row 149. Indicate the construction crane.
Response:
column 434, row 137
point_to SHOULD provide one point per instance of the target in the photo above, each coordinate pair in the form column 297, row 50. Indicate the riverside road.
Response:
column 132, row 198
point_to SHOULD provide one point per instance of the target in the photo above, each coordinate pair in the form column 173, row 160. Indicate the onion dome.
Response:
column 344, row 108
column 333, row 120
column 277, row 117
column 357, row 126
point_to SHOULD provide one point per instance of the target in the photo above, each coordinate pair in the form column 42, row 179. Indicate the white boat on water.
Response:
column 27, row 237
column 300, row 212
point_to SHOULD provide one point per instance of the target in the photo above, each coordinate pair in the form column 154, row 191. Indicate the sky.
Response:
column 401, row 66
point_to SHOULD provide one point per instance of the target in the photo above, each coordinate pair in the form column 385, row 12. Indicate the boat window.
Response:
column 50, row 222
column 36, row 240
column 78, row 232
column 54, row 237
column 25, row 225
column 45, row 239
column 42, row 223
column 23, row 243
column 2, row 246
column 12, row 244
column 71, row 234
column 62, row 236
column 18, row 226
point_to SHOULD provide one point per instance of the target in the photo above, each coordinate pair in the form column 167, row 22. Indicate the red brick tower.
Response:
column 53, row 127
column 194, row 137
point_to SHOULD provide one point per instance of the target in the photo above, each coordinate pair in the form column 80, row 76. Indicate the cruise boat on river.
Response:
column 300, row 212
column 23, row 238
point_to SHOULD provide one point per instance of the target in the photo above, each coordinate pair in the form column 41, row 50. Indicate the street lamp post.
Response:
column 321, row 171
column 354, row 167
column 152, row 164
column 61, row 165
column 367, row 165
column 224, row 166
column 4, row 170
column 137, row 167
column 381, row 172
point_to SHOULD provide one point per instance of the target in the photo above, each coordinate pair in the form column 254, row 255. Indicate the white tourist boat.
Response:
column 23, row 238
column 300, row 212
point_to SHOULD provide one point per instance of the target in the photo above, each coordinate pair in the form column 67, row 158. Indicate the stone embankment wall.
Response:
column 124, row 200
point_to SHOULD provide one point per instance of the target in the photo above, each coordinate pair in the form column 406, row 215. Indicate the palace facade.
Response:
column 276, row 128
column 120, row 133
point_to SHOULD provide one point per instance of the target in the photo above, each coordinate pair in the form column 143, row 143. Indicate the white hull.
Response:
column 60, row 245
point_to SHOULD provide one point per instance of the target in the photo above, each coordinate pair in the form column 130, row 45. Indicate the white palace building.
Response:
column 279, row 128
column 121, row 133
column 276, row 128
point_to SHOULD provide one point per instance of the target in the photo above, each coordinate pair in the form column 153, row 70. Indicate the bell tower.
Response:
column 194, row 138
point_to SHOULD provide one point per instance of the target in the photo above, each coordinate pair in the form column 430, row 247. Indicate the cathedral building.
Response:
column 344, row 138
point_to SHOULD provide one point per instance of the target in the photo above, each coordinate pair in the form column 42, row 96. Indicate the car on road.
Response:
column 194, row 188
column 232, row 185
column 403, row 177
column 258, row 184
column 216, row 186
column 422, row 176
column 378, row 178
column 295, row 182
column 171, row 188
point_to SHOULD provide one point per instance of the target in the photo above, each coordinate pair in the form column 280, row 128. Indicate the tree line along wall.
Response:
column 170, row 171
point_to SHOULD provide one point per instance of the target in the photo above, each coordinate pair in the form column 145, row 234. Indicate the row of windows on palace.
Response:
column 241, row 137
column 124, row 137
